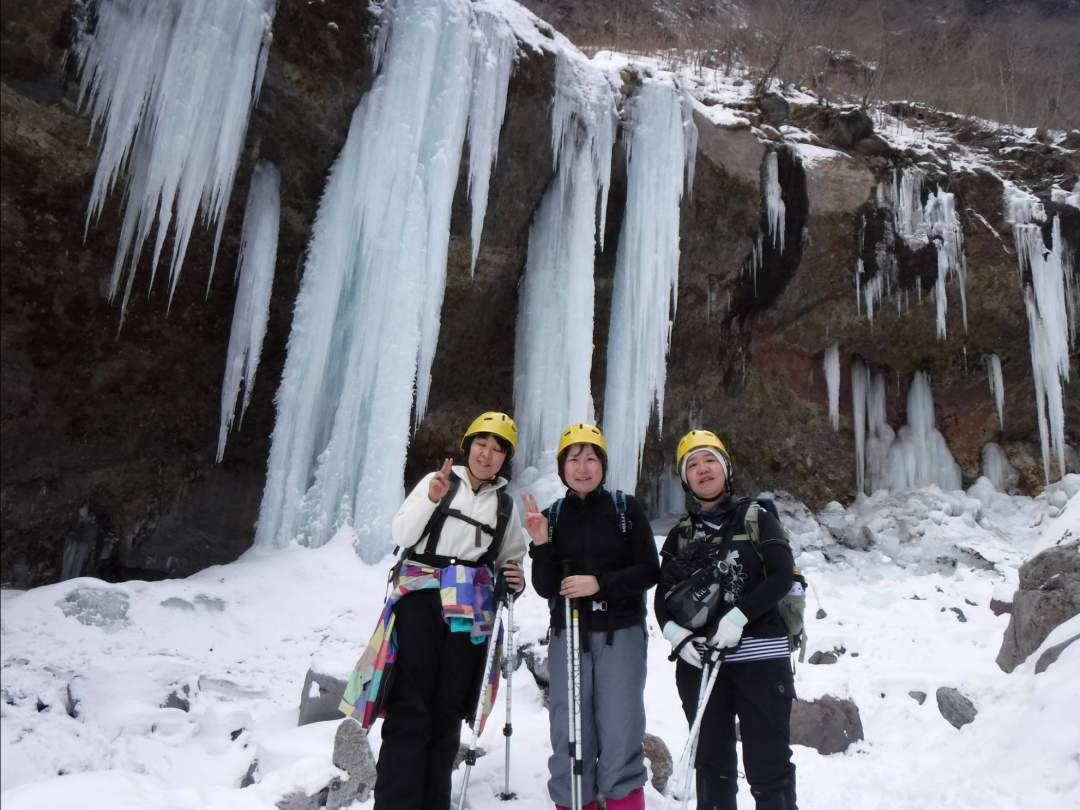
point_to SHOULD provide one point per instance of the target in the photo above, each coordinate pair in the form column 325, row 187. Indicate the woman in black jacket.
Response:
column 598, row 550
column 754, row 681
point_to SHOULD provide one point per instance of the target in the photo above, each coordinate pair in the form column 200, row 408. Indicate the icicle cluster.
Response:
column 832, row 383
column 367, row 315
column 997, row 387
column 943, row 229
column 774, row 203
column 920, row 224
column 170, row 84
column 554, row 335
column 661, row 142
column 255, row 276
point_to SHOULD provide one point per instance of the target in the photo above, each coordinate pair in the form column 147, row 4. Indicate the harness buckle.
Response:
column 600, row 607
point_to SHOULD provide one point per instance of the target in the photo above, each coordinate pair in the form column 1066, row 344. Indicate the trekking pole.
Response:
column 573, row 702
column 689, row 753
column 489, row 662
column 508, row 729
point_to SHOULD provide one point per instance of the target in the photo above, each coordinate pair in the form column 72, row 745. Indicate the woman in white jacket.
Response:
column 454, row 544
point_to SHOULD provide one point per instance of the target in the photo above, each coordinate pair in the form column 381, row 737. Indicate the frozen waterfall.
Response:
column 1051, row 331
column 170, row 83
column 553, row 342
column 366, row 318
column 919, row 455
column 661, row 141
column 255, row 275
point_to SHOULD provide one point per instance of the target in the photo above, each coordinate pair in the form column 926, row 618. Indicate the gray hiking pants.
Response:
column 612, row 715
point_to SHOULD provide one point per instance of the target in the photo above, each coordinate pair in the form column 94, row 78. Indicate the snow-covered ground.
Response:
column 87, row 667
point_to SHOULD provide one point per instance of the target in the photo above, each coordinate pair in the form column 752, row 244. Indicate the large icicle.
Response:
column 1051, row 331
column 255, row 272
column 366, row 317
column 646, row 272
column 832, row 383
column 774, row 203
column 997, row 387
column 554, row 335
column 486, row 112
column 171, row 84
column 920, row 456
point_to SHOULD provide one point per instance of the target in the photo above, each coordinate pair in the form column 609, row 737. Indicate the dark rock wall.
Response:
column 108, row 439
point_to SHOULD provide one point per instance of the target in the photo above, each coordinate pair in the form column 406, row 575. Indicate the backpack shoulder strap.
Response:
column 503, row 512
column 433, row 528
column 553, row 518
column 619, row 498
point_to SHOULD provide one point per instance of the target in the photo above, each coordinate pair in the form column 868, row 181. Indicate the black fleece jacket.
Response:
column 749, row 585
column 588, row 536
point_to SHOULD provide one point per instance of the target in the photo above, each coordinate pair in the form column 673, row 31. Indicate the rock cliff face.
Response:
column 108, row 439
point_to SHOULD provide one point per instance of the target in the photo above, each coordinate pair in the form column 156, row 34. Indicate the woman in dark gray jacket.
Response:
column 599, row 550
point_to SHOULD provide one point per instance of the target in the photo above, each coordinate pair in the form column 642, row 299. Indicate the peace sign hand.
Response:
column 535, row 522
column 440, row 483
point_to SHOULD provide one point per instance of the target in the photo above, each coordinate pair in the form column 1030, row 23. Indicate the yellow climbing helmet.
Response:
column 494, row 422
column 581, row 433
column 697, row 439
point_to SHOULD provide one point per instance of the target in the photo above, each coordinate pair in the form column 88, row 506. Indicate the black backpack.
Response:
column 695, row 601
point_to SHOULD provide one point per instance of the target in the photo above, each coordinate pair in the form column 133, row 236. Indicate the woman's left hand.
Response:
column 515, row 577
column 578, row 586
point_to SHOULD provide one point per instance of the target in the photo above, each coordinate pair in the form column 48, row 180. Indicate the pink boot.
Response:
column 634, row 800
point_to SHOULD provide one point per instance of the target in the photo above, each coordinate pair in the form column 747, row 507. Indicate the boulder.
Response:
column 918, row 696
column 320, row 697
column 298, row 800
column 352, row 753
column 851, row 126
column 828, row 725
column 1049, row 594
column 774, row 109
column 955, row 706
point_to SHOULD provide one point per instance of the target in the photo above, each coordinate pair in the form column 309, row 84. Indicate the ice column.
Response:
column 996, row 467
column 170, row 84
column 879, row 435
column 997, row 387
column 554, row 334
column 920, row 456
column 774, row 203
column 255, row 272
column 832, row 383
column 860, row 378
column 366, row 317
column 660, row 145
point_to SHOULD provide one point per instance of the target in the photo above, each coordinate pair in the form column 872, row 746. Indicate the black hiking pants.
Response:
column 760, row 694
column 436, row 681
